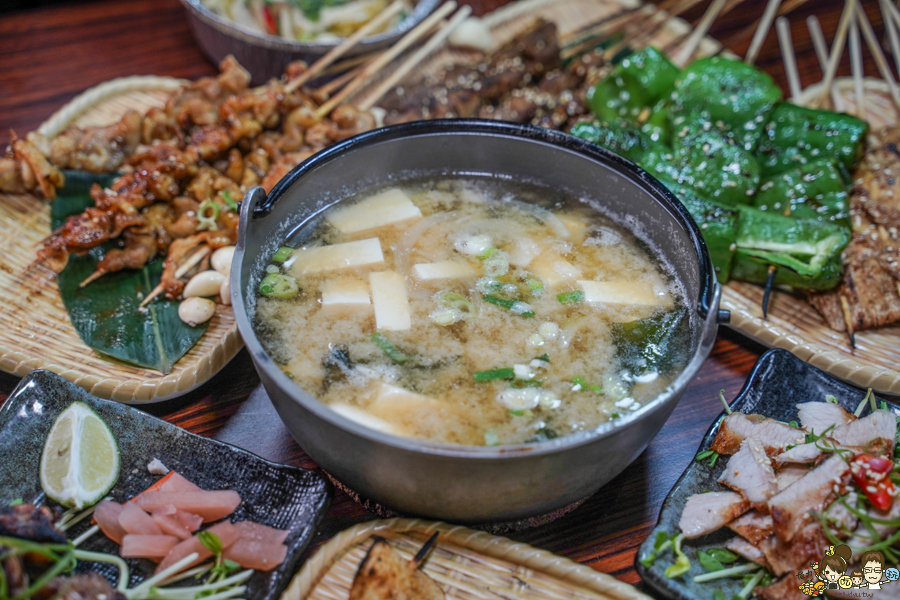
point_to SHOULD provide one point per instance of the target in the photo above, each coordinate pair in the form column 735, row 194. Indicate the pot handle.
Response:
column 249, row 206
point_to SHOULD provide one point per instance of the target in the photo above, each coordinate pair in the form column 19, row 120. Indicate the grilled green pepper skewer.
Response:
column 633, row 86
column 815, row 190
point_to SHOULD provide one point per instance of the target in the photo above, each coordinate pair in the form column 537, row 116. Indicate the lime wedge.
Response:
column 80, row 462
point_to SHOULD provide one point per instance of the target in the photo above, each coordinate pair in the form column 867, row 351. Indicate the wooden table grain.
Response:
column 48, row 56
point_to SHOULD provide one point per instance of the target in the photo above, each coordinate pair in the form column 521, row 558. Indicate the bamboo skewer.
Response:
column 599, row 27
column 765, row 23
column 856, row 68
column 787, row 7
column 421, row 54
column 638, row 37
column 192, row 261
column 693, row 42
column 837, row 48
column 379, row 63
column 338, row 82
column 339, row 50
column 891, row 17
column 787, row 54
column 821, row 48
column 880, row 60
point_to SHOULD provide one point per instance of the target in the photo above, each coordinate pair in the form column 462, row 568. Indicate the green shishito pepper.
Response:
column 815, row 190
column 731, row 94
column 708, row 163
column 755, row 270
column 624, row 140
column 804, row 246
column 651, row 344
column 634, row 85
column 795, row 135
column 717, row 223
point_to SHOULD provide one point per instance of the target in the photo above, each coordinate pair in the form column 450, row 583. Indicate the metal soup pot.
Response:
column 471, row 484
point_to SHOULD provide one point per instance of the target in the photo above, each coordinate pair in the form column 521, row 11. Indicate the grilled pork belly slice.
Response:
column 773, row 435
column 861, row 433
column 742, row 547
column 753, row 526
column 818, row 417
column 790, row 509
column 789, row 474
column 809, row 543
column 705, row 513
column 749, row 471
column 786, row 588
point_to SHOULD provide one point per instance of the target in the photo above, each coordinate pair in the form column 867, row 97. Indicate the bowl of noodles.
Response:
column 472, row 320
column 265, row 36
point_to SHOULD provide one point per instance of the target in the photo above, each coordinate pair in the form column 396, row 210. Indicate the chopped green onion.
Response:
column 830, row 398
column 682, row 563
column 794, row 424
column 389, row 348
column 487, row 253
column 712, row 455
column 577, row 380
column 491, row 438
column 509, row 304
column 570, row 297
column 522, row 413
column 727, row 572
column 276, row 285
column 544, row 357
column 526, row 383
column 210, row 541
column 16, row 502
column 661, row 544
column 496, row 265
column 505, row 373
column 457, row 302
column 229, row 201
column 282, row 254
column 207, row 215
column 486, row 285
column 534, row 284
column 614, row 416
column 724, row 402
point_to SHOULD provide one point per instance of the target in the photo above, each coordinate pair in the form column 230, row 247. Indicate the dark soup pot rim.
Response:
column 257, row 204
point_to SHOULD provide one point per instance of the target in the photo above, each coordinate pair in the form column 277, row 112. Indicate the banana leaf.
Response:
column 106, row 312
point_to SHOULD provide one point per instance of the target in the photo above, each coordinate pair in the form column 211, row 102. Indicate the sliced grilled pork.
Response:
column 749, row 471
column 742, row 547
column 818, row 417
column 800, row 455
column 753, row 526
column 861, row 433
column 862, row 537
column 773, row 435
column 790, row 509
column 786, row 588
column 840, row 517
column 809, row 543
column 789, row 474
column 705, row 513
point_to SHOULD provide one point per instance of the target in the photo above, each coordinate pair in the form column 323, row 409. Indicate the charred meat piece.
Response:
column 753, row 526
column 749, row 471
column 79, row 587
column 791, row 509
column 705, row 513
column 28, row 522
column 809, row 543
column 97, row 149
column 742, row 547
column 773, row 435
column 385, row 575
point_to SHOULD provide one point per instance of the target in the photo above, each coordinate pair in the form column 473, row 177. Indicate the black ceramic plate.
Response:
column 272, row 494
column 778, row 382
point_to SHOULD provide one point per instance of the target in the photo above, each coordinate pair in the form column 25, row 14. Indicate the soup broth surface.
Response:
column 472, row 311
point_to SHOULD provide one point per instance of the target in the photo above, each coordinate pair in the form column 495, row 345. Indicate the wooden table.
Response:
column 50, row 55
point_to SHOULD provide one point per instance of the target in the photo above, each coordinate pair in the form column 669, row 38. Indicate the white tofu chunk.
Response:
column 554, row 270
column 623, row 292
column 362, row 417
column 577, row 226
column 387, row 208
column 345, row 293
column 445, row 269
column 522, row 251
column 390, row 300
column 361, row 253
column 412, row 411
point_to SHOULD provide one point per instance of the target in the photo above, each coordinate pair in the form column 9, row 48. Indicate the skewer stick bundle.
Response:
column 765, row 23
column 891, row 17
column 342, row 48
column 821, row 48
column 787, row 54
column 856, row 68
column 880, row 60
column 837, row 49
column 379, row 63
column 192, row 261
column 684, row 55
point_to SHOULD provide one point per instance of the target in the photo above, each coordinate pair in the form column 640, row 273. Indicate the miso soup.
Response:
column 471, row 311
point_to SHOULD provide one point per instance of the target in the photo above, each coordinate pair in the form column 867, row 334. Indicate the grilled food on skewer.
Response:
column 384, row 575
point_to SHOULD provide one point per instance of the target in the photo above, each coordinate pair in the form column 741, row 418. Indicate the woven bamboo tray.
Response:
column 466, row 564
column 796, row 326
column 35, row 331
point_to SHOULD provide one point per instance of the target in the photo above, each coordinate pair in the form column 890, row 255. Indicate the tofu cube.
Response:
column 361, row 253
column 623, row 292
column 365, row 419
column 577, row 226
column 387, row 208
column 446, row 269
column 554, row 270
column 347, row 293
column 390, row 300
